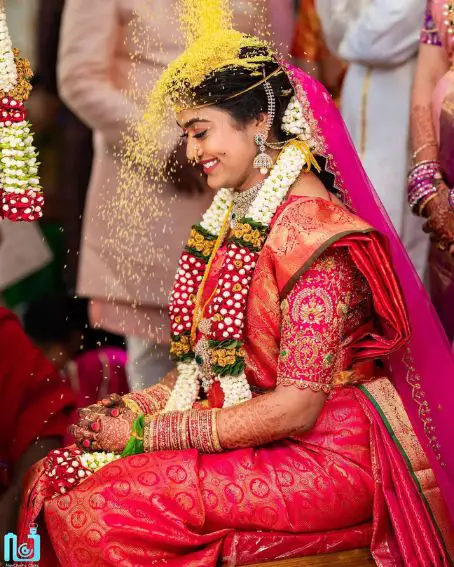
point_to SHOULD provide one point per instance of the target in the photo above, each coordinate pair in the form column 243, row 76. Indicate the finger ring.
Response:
column 115, row 412
column 86, row 443
column 95, row 426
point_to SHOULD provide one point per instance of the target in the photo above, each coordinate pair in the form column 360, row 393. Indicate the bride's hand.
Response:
column 103, row 432
column 103, row 407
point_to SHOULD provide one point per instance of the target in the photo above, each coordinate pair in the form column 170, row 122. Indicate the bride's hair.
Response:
column 221, row 87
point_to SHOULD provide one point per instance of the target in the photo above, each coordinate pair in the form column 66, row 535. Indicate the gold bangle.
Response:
column 147, row 432
column 423, row 147
column 132, row 405
column 214, row 432
column 423, row 206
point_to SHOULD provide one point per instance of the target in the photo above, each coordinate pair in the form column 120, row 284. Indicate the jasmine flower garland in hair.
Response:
column 294, row 122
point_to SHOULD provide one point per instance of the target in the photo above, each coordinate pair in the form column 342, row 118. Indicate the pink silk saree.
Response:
column 359, row 477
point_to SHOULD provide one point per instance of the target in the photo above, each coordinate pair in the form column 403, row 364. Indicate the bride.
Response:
column 280, row 428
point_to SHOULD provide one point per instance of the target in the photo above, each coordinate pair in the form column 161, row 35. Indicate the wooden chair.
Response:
column 354, row 558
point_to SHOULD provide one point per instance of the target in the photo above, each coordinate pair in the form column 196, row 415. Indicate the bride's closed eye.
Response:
column 200, row 135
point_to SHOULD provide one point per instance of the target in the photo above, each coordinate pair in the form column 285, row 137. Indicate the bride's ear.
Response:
column 260, row 122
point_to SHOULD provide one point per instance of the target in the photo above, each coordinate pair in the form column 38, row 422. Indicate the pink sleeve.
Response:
column 313, row 321
column 89, row 42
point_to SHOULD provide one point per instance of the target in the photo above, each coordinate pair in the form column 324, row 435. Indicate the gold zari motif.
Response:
column 328, row 302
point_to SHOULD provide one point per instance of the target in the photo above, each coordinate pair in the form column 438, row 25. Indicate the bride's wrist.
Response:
column 148, row 402
column 180, row 430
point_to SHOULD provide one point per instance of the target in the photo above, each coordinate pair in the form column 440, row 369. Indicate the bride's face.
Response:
column 224, row 149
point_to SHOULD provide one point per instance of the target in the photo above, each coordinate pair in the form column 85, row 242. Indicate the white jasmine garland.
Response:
column 186, row 389
column 214, row 217
column 8, row 71
column 18, row 157
column 277, row 185
column 97, row 460
column 236, row 389
column 294, row 123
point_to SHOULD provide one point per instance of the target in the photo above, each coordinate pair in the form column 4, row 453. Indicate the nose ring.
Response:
column 197, row 154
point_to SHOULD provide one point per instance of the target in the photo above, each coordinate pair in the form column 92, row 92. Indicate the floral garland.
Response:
column 67, row 468
column 226, row 312
column 20, row 187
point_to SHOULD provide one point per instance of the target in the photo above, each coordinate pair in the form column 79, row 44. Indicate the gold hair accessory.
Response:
column 277, row 71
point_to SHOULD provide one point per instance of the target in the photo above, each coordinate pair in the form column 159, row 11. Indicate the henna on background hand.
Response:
column 440, row 217
column 114, row 432
column 423, row 131
column 256, row 422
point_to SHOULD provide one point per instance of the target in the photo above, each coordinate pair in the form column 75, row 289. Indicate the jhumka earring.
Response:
column 262, row 160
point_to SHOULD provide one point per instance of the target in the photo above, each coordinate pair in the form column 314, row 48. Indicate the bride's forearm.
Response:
column 267, row 418
column 256, row 422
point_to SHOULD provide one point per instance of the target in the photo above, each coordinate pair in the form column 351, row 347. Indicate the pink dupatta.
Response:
column 422, row 371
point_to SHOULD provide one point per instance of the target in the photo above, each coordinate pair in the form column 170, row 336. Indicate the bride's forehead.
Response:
column 202, row 114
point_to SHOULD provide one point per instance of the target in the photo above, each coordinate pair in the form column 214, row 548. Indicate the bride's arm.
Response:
column 312, row 332
column 312, row 328
column 284, row 412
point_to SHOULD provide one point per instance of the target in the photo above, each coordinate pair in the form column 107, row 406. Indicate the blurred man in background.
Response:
column 378, row 39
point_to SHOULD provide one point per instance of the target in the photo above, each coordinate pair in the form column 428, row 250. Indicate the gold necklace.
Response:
column 242, row 201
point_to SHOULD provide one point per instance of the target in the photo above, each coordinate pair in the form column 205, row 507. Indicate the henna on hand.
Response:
column 104, row 432
column 103, row 406
column 279, row 414
column 114, row 432
column 440, row 217
column 257, row 422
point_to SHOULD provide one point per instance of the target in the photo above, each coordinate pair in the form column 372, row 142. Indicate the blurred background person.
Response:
column 432, row 117
column 128, row 289
column 310, row 52
column 58, row 325
column 70, row 137
column 379, row 41
column 35, row 412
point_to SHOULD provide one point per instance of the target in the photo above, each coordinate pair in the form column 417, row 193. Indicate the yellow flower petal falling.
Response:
column 202, row 18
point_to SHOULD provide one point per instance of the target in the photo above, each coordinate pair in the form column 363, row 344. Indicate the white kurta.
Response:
column 379, row 40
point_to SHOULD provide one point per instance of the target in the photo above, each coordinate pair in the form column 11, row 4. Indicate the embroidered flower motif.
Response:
column 312, row 312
